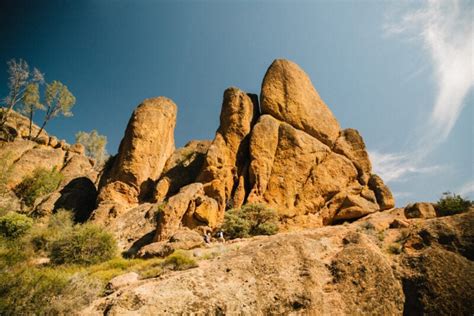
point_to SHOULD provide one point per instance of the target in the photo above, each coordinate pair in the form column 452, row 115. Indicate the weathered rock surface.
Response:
column 293, row 157
column 191, row 208
column 336, row 270
column 226, row 163
column 184, row 239
column 146, row 146
column 23, row 156
column 288, row 95
column 420, row 210
column 181, row 169
column 382, row 192
column 121, row 281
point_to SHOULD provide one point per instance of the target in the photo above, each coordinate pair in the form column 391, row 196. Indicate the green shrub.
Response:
column 86, row 244
column 44, row 291
column 42, row 182
column 14, row 225
column 450, row 204
column 250, row 220
column 179, row 260
column 59, row 224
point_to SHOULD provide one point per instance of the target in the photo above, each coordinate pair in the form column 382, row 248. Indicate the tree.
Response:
column 59, row 100
column 31, row 102
column 19, row 79
column 94, row 143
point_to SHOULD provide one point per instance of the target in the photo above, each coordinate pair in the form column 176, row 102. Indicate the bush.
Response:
column 451, row 204
column 86, row 244
column 44, row 291
column 179, row 260
column 14, row 225
column 42, row 182
column 250, row 220
column 59, row 224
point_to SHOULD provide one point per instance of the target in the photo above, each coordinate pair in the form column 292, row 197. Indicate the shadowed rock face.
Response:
column 78, row 196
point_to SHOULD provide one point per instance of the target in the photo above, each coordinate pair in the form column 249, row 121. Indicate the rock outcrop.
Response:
column 289, row 153
column 288, row 95
column 21, row 156
column 146, row 146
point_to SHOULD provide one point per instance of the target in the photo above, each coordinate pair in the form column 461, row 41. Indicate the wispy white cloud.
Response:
column 400, row 195
column 444, row 28
column 467, row 189
column 397, row 166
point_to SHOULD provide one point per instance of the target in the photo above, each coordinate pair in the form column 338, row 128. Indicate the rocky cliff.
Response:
column 287, row 151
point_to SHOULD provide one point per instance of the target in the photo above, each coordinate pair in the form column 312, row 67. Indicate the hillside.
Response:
column 342, row 247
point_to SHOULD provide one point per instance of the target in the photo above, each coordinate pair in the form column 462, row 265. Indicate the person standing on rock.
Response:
column 207, row 238
column 220, row 236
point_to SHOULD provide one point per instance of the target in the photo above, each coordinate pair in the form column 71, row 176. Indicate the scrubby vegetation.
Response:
column 86, row 244
column 54, row 267
column 451, row 203
column 40, row 183
column 250, row 220
column 14, row 225
column 5, row 172
column 179, row 260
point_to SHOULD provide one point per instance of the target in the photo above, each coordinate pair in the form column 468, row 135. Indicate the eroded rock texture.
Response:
column 146, row 146
column 288, row 153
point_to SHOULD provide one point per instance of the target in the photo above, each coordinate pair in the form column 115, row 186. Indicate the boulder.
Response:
column 288, row 95
column 298, row 175
column 53, row 141
column 133, row 228
column 78, row 149
column 121, row 281
column 184, row 239
column 420, row 210
column 38, row 156
column 190, row 207
column 382, row 192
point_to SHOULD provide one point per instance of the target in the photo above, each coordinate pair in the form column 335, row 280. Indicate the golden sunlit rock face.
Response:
column 287, row 152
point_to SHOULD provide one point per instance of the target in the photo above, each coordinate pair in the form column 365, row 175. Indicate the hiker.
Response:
column 220, row 236
column 207, row 238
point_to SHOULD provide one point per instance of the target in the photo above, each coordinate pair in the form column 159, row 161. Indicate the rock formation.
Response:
column 293, row 157
column 76, row 192
column 146, row 146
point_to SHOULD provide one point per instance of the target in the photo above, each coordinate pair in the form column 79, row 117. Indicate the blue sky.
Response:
column 399, row 72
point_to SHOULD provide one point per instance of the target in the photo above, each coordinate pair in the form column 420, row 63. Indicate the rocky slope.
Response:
column 352, row 269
